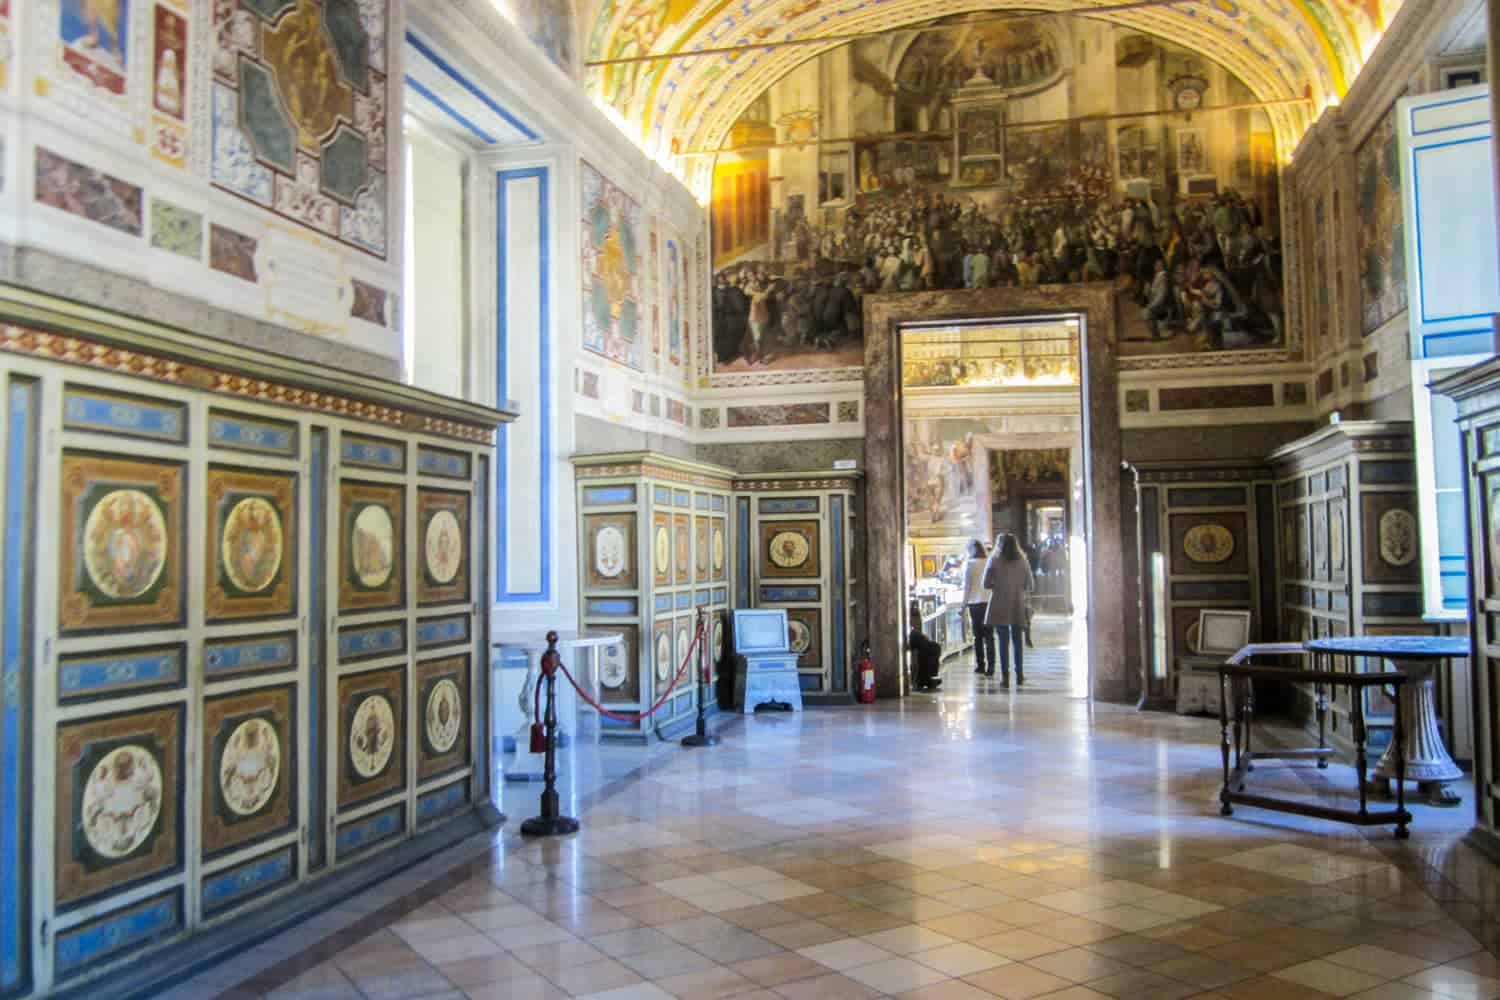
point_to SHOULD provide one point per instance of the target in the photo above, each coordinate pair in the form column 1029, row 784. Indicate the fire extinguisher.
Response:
column 866, row 671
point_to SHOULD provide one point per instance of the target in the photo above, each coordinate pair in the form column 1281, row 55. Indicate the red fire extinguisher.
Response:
column 866, row 676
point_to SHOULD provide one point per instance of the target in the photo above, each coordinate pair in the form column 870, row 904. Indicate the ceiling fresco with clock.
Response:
column 1282, row 50
column 984, row 152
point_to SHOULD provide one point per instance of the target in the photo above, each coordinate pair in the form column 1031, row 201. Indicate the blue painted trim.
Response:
column 463, row 82
column 1412, row 114
column 262, row 437
column 701, row 501
column 373, row 453
column 840, row 664
column 362, row 642
column 234, row 886
column 442, row 631
column 443, row 801
column 15, row 640
column 662, row 495
column 804, row 594
column 318, row 460
column 701, row 599
column 684, row 601
column 1416, row 193
column 663, row 602
column 371, row 830
column 616, row 606
column 113, row 674
column 98, row 940
column 450, row 111
column 601, row 495
column 443, row 463
column 793, row 505
column 742, row 553
column 232, row 656
column 719, row 504
column 93, row 410
column 682, row 498
column 543, row 418
column 721, row 595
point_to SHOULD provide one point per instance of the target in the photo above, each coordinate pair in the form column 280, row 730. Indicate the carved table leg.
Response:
column 1426, row 758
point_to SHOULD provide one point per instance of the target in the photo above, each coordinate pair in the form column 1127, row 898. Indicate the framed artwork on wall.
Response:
column 701, row 551
column 122, row 545
column 661, row 549
column 682, row 549
column 249, row 777
column 372, row 735
column 611, row 556
column 805, row 635
column 119, row 802
column 443, row 716
column 790, row 549
column 619, row 673
column 662, row 665
column 443, row 535
column 371, row 546
column 719, row 550
column 1390, row 538
column 252, row 544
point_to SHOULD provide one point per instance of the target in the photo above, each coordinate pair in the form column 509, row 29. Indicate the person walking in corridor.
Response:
column 977, row 599
column 1007, row 576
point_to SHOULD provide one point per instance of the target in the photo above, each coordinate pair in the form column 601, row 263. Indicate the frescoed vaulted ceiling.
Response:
column 1280, row 49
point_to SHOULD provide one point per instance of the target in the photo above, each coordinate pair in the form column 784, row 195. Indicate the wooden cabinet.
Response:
column 793, row 537
column 1347, row 546
column 1477, row 394
column 242, row 640
column 654, row 547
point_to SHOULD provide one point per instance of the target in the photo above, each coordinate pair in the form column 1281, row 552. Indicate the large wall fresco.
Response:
column 299, row 113
column 614, row 314
column 962, row 157
column 1382, row 239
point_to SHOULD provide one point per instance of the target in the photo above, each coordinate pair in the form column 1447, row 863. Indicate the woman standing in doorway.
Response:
column 1007, row 576
column 977, row 598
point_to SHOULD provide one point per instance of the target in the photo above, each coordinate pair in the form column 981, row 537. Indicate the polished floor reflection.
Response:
column 955, row 847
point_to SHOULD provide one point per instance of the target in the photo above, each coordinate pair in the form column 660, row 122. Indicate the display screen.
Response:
column 760, row 631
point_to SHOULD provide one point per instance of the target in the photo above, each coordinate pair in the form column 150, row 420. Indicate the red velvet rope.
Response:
column 633, row 717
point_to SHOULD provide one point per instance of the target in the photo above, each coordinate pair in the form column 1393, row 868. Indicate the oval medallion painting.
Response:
column 789, row 549
column 663, row 656
column 444, row 715
column 121, row 801
column 609, row 552
column 684, row 640
column 444, row 547
column 718, row 547
column 249, row 767
column 1192, row 637
column 252, row 545
column 125, row 544
column 799, row 635
column 663, row 550
column 1208, row 543
column 372, row 736
column 374, row 546
column 1336, row 541
column 612, row 669
column 718, row 650
column 1398, row 537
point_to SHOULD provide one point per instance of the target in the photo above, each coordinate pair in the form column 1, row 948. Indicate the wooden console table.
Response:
column 1235, row 715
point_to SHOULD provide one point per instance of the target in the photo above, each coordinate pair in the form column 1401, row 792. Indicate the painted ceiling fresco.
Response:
column 1281, row 49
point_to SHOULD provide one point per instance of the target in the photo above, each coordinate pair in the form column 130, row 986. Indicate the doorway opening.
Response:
column 993, row 449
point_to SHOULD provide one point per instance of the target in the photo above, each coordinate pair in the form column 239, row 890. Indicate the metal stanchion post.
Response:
column 700, row 736
column 551, row 822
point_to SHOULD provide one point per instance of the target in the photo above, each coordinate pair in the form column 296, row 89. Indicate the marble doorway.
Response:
column 1091, row 310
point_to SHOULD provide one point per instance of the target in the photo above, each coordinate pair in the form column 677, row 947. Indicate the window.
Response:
column 434, row 299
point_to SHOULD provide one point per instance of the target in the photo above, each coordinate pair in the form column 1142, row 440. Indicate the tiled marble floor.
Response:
column 972, row 844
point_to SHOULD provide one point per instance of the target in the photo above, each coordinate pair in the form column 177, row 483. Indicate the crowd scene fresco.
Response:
column 1180, row 219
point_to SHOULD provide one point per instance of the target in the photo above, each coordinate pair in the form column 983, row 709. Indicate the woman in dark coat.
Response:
column 1007, row 576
